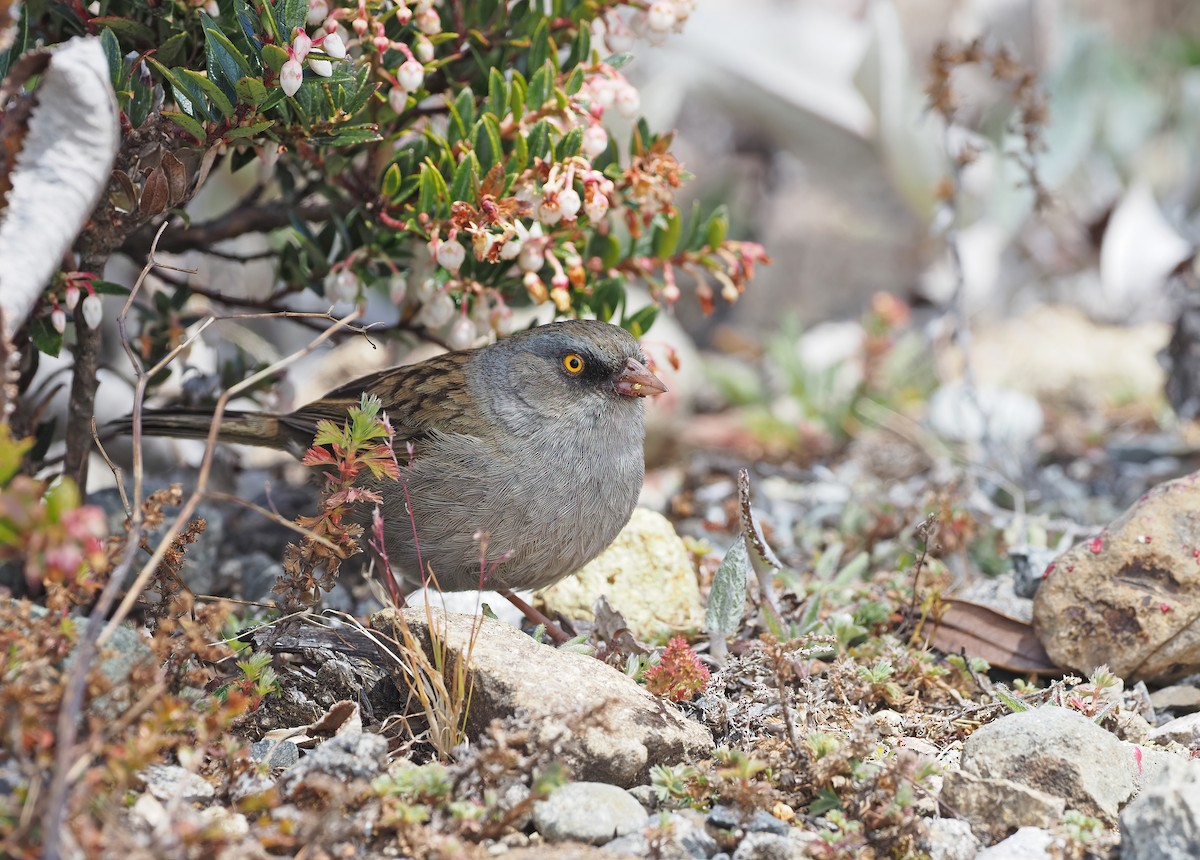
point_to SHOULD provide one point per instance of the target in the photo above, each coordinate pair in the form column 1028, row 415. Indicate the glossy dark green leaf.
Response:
column 571, row 143
column 391, row 181
column 489, row 147
column 44, row 337
column 252, row 130
column 517, row 92
column 170, row 52
column 639, row 323
column 539, row 44
column 132, row 34
column 251, row 91
column 666, row 237
column 188, row 124
column 466, row 180
column 539, row 140
column 213, row 92
column 497, row 103
column 112, row 53
column 19, row 43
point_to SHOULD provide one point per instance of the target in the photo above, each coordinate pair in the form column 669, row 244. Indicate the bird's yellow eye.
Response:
column 573, row 364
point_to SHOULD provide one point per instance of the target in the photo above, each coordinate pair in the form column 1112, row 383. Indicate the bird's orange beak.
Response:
column 636, row 380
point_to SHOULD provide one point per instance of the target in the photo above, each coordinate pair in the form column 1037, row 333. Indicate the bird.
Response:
column 534, row 441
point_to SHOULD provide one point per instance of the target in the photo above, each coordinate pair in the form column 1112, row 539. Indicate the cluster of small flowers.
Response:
column 739, row 260
column 329, row 43
column 483, row 313
column 90, row 308
column 679, row 675
column 83, row 541
column 654, row 24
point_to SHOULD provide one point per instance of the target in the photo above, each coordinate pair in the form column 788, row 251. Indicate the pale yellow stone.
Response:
column 647, row 576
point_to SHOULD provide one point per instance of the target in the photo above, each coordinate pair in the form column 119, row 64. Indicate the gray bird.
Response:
column 535, row 441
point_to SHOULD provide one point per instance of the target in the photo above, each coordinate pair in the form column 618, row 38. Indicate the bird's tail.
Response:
column 246, row 428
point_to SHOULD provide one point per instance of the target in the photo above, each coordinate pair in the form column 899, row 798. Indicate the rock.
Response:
column 772, row 846
column 1182, row 730
column 948, row 839
column 1128, row 597
column 276, row 754
column 1163, row 822
column 995, row 807
column 591, row 812
column 676, row 836
column 126, row 651
column 758, row 821
column 1028, row 843
column 343, row 757
column 171, row 782
column 1059, row 752
column 1177, row 697
column 646, row 574
column 604, row 726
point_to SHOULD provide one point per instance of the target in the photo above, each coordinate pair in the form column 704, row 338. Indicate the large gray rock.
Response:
column 591, row 812
column 1163, row 822
column 604, row 726
column 1058, row 752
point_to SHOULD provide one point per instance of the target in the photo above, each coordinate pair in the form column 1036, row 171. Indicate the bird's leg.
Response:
column 537, row 617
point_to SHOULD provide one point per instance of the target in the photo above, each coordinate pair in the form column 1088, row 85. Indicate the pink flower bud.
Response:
column 411, row 75
column 58, row 319
column 71, row 297
column 301, row 45
column 661, row 15
column 324, row 68
column 596, row 207
column 291, row 76
column 423, row 48
column 438, row 310
column 359, row 25
column 670, row 294
column 333, row 45
column 568, row 204
column 92, row 310
column 595, row 141
column 511, row 249
column 397, row 99
column 530, row 259
column 429, row 22
column 628, row 101
column 318, row 11
column 403, row 14
column 462, row 334
column 341, row 285
column 330, row 24
column 501, row 319
column 397, row 288
column 549, row 212
column 450, row 256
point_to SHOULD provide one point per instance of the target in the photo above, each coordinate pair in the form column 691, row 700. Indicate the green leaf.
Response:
column 497, row 103
column 727, row 599
column 539, row 44
column 133, row 33
column 171, row 52
column 571, row 143
column 518, row 91
column 354, row 134
column 435, row 195
column 466, row 108
column 250, row 91
column 488, row 147
column 574, row 81
column 581, row 49
column 638, row 324
column 618, row 60
column 19, row 43
column 190, row 100
column 252, row 130
column 112, row 53
column 717, row 228
column 520, row 156
column 541, row 85
column 226, row 65
column 539, row 140
column 457, row 128
column 391, row 180
column 466, row 180
column 290, row 14
column 44, row 337
column 608, row 249
column 211, row 90
column 607, row 296
column 191, row 126
column 274, row 57
column 666, row 238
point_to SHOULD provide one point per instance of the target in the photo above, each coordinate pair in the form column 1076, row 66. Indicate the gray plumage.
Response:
column 510, row 441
